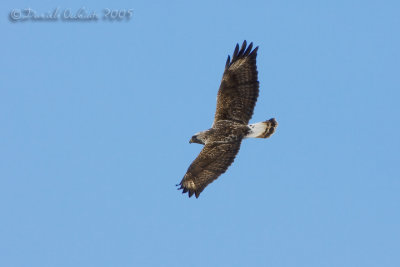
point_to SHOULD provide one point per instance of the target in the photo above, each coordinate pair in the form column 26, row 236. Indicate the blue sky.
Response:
column 96, row 117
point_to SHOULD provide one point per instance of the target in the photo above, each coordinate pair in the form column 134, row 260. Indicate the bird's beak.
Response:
column 192, row 140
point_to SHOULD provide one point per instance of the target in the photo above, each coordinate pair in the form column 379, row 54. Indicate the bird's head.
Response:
column 197, row 138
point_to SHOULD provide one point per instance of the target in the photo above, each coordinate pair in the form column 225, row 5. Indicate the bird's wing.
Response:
column 238, row 92
column 212, row 161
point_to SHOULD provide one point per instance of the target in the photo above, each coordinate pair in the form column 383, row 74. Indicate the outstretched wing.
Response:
column 212, row 161
column 238, row 92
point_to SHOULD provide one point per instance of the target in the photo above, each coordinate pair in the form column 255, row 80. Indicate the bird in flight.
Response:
column 237, row 97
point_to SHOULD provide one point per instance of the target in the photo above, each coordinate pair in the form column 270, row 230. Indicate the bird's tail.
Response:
column 262, row 129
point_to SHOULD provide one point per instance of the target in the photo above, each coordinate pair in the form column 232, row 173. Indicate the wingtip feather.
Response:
column 228, row 61
column 235, row 53
column 254, row 52
column 190, row 192
column 248, row 50
column 244, row 51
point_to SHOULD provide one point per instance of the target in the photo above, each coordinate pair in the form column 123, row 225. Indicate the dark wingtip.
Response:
column 242, row 49
column 189, row 191
column 235, row 53
column 245, row 51
column 254, row 52
column 228, row 61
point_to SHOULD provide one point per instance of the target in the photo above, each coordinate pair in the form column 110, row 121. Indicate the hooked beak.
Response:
column 193, row 140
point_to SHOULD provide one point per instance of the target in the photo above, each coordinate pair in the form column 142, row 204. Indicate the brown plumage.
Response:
column 238, row 92
column 236, row 100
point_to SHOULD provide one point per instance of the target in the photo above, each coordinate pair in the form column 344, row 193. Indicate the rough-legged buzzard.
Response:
column 236, row 100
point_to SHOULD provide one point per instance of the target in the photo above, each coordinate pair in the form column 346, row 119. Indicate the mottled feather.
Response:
column 213, row 160
column 238, row 92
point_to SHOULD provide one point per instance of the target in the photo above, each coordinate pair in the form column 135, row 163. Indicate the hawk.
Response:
column 237, row 97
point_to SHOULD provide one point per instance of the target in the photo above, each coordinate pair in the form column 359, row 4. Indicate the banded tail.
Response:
column 262, row 129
